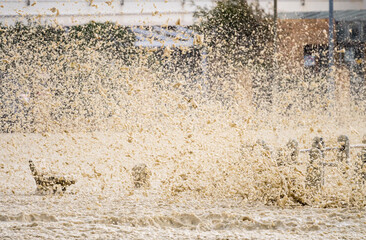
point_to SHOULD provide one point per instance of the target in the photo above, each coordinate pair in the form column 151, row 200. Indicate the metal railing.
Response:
column 315, row 176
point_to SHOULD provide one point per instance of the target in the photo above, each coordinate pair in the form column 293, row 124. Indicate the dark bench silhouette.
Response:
column 49, row 183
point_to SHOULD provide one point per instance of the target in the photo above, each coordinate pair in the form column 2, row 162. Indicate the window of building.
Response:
column 316, row 56
column 354, row 31
column 364, row 31
column 349, row 55
column 341, row 31
column 351, row 31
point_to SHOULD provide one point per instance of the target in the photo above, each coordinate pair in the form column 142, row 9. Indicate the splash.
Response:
column 84, row 110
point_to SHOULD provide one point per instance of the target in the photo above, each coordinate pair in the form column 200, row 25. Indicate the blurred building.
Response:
column 302, row 25
column 303, row 33
column 303, row 41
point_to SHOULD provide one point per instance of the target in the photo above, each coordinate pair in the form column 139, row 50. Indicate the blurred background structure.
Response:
column 203, row 41
column 161, row 12
column 302, row 24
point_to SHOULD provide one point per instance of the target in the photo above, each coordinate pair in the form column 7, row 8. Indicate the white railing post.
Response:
column 362, row 165
column 343, row 150
column 293, row 150
column 315, row 169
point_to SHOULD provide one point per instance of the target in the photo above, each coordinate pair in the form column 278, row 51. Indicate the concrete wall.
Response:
column 124, row 12
column 319, row 5
column 294, row 34
column 142, row 12
column 284, row 6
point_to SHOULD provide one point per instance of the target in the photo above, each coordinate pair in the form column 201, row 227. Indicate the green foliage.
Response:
column 31, row 34
column 104, row 37
column 115, row 40
column 237, row 30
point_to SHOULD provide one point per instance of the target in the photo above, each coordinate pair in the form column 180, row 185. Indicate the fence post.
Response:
column 267, row 151
column 288, row 154
column 293, row 149
column 343, row 154
column 263, row 144
column 363, row 151
column 315, row 169
column 344, row 146
column 362, row 166
column 318, row 143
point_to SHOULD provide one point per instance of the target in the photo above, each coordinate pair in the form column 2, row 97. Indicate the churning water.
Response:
column 87, row 114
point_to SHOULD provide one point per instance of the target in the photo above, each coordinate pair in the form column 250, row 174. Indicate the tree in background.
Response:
column 107, row 37
column 239, row 38
column 237, row 30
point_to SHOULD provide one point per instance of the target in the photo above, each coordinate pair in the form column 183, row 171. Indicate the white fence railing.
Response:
column 290, row 154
